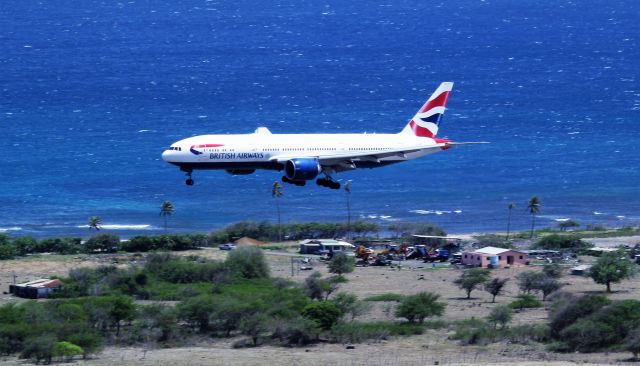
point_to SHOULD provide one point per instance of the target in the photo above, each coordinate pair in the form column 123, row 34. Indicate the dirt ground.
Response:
column 431, row 348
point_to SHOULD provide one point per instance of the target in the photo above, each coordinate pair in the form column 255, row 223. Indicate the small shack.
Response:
column 492, row 257
column 322, row 246
column 37, row 289
column 581, row 270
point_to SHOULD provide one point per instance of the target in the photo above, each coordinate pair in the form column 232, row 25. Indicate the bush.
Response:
column 67, row 350
column 500, row 314
column 566, row 310
column 297, row 331
column 39, row 348
column 385, row 297
column 7, row 251
column 420, row 306
column 248, row 262
column 324, row 313
column 349, row 305
column 525, row 301
column 60, row 246
column 529, row 332
column 473, row 332
column 561, row 242
column 103, row 243
column 358, row 332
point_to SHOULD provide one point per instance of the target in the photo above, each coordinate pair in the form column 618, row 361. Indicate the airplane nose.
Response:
column 166, row 154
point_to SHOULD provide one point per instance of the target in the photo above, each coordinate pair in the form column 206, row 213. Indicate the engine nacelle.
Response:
column 302, row 169
column 240, row 171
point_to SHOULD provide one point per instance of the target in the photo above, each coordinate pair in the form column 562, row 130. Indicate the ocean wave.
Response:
column 122, row 227
column 435, row 212
column 13, row 228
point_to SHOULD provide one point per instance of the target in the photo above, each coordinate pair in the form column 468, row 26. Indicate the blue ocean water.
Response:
column 92, row 92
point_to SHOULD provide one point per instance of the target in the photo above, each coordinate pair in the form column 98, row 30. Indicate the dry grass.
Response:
column 426, row 349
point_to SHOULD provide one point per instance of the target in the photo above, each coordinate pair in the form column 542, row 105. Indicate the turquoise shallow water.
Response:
column 92, row 93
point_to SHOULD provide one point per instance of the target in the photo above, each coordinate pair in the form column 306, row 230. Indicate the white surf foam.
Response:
column 121, row 227
column 13, row 228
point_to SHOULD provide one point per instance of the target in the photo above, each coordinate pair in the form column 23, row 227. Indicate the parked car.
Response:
column 227, row 246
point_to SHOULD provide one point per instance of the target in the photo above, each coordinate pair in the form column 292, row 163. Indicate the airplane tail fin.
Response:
column 426, row 121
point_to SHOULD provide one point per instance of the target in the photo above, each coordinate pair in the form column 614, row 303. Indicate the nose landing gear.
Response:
column 189, row 180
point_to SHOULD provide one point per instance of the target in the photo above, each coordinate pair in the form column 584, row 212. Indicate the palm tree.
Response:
column 276, row 192
column 95, row 222
column 534, row 208
column 347, row 189
column 511, row 206
column 166, row 209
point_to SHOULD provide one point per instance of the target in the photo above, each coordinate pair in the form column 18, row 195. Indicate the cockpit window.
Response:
column 175, row 148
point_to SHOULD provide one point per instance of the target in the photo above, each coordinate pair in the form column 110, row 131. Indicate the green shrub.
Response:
column 39, row 348
column 474, row 332
column 420, row 306
column 385, row 297
column 525, row 301
column 526, row 333
column 566, row 310
column 67, row 350
column 356, row 332
column 7, row 251
column 103, row 243
column 296, row 331
column 561, row 242
column 248, row 262
column 324, row 313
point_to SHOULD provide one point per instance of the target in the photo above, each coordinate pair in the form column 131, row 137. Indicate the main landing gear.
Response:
column 299, row 183
column 328, row 182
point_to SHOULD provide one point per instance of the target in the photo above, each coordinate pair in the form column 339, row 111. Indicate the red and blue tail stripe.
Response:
column 425, row 123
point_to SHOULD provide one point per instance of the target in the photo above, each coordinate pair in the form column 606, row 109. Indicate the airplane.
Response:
column 305, row 157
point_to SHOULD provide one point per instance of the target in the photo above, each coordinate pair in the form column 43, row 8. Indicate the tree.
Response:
column 254, row 326
column 347, row 189
column 318, row 288
column 566, row 224
column 276, row 192
column 495, row 287
column 500, row 314
column 7, row 249
column 511, row 206
column 420, row 306
column 610, row 268
column 552, row 270
column 350, row 305
column 471, row 278
column 534, row 208
column 341, row 263
column 547, row 285
column 528, row 281
column 95, row 222
column 166, row 210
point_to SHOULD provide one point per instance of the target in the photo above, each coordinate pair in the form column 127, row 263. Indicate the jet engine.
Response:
column 302, row 169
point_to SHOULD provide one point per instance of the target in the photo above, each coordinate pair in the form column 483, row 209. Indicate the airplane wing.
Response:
column 345, row 161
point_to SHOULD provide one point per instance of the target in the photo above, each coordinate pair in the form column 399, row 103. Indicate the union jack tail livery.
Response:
column 425, row 122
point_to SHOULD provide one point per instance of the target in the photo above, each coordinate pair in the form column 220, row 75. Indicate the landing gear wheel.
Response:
column 189, row 182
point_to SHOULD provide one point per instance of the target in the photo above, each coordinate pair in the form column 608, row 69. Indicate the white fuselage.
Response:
column 263, row 150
